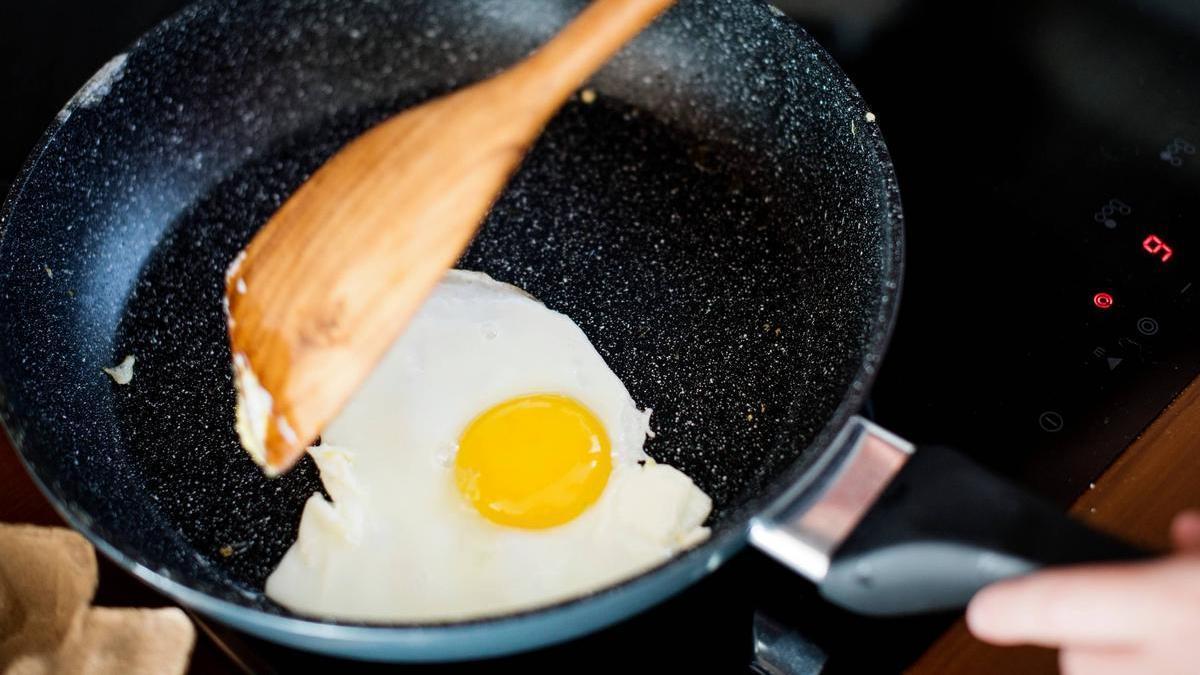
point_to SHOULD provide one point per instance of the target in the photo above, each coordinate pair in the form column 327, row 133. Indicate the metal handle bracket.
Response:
column 806, row 525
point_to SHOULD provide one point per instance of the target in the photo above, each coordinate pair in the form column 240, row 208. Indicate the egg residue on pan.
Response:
column 491, row 463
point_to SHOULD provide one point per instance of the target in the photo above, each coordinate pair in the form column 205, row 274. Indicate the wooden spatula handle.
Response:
column 569, row 59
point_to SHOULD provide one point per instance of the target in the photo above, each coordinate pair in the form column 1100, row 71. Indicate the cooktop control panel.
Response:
column 1127, row 303
column 1052, row 305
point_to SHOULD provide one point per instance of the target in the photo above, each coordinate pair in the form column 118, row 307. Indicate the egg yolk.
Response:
column 533, row 462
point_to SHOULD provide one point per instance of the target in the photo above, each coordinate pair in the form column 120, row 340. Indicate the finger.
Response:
column 1102, row 605
column 1101, row 662
column 1185, row 531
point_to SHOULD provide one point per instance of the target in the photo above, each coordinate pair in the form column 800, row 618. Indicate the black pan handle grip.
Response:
column 946, row 527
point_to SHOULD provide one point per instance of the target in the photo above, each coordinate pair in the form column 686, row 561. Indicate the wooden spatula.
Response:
column 329, row 282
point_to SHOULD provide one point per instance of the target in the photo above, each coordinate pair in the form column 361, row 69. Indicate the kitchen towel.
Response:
column 48, row 576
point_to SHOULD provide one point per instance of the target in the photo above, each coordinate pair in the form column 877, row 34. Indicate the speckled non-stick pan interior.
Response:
column 721, row 221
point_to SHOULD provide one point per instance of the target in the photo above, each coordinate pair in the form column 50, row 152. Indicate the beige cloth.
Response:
column 47, row 624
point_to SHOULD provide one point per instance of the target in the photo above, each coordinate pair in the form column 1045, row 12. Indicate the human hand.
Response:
column 1111, row 618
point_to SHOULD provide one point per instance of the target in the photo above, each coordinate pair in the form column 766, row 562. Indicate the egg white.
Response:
column 399, row 543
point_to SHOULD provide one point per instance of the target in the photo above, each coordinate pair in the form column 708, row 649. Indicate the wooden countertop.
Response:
column 1158, row 476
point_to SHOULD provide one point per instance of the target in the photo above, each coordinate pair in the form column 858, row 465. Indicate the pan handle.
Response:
column 938, row 528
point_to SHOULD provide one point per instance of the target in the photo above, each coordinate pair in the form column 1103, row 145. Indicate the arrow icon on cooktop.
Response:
column 1113, row 362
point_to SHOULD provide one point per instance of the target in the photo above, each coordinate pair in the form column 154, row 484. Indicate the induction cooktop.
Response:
column 1048, row 153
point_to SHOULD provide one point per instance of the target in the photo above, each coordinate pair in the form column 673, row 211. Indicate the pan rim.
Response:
column 706, row 556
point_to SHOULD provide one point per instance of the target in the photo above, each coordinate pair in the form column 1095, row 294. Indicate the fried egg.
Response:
column 491, row 463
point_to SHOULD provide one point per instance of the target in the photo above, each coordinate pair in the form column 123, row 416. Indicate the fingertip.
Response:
column 1188, row 518
column 1100, row 605
column 988, row 616
column 977, row 614
column 1185, row 530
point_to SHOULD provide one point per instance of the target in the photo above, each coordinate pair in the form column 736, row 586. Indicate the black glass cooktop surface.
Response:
column 1049, row 158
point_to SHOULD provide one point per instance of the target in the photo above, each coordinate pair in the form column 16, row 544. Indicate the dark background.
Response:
column 48, row 49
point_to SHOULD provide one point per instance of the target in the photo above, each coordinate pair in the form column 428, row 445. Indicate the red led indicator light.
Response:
column 1154, row 245
column 1102, row 300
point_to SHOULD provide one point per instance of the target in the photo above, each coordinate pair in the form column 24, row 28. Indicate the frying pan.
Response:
column 722, row 221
